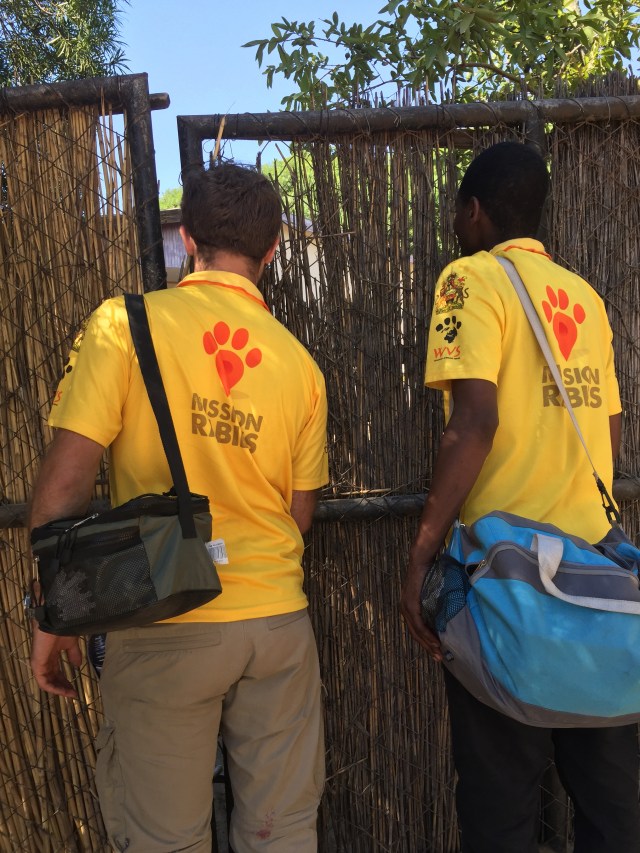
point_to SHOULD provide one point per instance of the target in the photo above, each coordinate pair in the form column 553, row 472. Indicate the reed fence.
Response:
column 381, row 204
column 369, row 206
column 73, row 230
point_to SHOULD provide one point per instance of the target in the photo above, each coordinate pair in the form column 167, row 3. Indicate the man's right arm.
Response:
column 63, row 489
column 465, row 445
column 67, row 478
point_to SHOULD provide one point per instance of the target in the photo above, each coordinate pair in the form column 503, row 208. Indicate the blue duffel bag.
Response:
column 538, row 624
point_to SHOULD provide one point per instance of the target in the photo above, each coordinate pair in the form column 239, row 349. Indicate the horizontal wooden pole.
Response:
column 15, row 515
column 287, row 126
column 76, row 93
column 626, row 489
column 370, row 508
column 338, row 509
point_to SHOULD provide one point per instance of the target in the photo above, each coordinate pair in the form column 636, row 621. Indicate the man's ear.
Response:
column 474, row 209
column 187, row 241
column 269, row 256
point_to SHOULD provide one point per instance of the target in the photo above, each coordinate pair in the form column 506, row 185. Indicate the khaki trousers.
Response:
column 167, row 690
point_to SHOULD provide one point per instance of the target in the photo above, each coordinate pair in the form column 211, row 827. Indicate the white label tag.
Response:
column 217, row 551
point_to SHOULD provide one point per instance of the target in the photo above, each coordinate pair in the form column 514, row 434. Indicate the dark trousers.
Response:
column 500, row 763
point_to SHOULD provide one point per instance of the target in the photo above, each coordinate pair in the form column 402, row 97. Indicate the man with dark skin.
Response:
column 505, row 433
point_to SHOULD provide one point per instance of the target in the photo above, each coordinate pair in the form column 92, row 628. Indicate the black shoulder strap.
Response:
column 143, row 343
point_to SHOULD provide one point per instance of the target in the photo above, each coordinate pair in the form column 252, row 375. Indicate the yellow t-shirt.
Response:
column 537, row 467
column 249, row 407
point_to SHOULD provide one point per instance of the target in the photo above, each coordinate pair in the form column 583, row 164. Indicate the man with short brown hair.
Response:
column 249, row 407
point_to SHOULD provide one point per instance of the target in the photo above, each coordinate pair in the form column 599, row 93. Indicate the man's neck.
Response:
column 231, row 262
column 509, row 239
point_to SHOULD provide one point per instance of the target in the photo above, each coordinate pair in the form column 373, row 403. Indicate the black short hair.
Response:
column 230, row 208
column 511, row 181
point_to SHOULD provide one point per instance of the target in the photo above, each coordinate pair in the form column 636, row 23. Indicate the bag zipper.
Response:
column 569, row 569
column 70, row 544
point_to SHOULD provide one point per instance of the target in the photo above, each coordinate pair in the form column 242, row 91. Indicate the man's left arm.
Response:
column 310, row 462
column 63, row 489
column 303, row 504
column 615, row 431
column 465, row 445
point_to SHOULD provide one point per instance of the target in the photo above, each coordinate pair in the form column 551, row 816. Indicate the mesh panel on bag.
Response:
column 444, row 592
column 70, row 597
column 453, row 596
column 103, row 585
column 123, row 580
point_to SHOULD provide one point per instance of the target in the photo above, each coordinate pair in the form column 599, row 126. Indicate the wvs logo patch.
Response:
column 449, row 328
column 440, row 353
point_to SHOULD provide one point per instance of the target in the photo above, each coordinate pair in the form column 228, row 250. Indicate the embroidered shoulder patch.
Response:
column 452, row 294
column 80, row 335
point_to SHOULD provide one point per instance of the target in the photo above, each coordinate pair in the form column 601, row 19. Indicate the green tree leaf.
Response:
column 55, row 40
column 171, row 198
column 466, row 48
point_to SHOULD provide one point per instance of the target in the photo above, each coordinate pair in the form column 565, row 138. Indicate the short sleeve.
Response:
column 310, row 462
column 466, row 328
column 95, row 383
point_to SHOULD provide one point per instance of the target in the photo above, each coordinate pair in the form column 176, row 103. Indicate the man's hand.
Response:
column 46, row 662
column 411, row 611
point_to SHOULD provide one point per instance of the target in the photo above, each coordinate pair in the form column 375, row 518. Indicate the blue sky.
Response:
column 191, row 49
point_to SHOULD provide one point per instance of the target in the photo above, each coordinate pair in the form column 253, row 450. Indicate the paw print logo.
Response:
column 565, row 327
column 449, row 327
column 230, row 362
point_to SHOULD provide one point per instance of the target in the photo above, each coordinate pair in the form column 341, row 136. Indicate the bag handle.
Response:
column 613, row 516
column 143, row 343
column 549, row 550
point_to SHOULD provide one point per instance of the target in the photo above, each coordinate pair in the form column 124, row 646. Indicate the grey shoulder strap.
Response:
column 536, row 325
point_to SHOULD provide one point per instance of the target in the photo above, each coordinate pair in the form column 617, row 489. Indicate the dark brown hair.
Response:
column 230, row 208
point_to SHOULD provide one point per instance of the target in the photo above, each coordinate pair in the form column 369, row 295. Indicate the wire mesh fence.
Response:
column 594, row 223
column 368, row 227
column 357, row 285
column 68, row 240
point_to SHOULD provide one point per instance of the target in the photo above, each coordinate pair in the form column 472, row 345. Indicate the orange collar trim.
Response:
column 233, row 287
column 525, row 249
